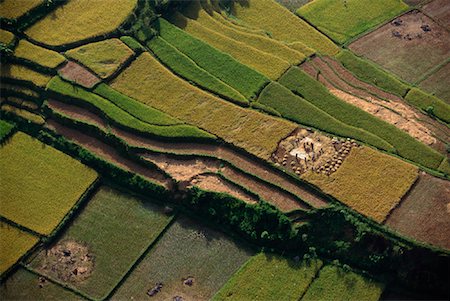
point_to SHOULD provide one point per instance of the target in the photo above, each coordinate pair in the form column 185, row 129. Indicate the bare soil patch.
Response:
column 438, row 83
column 78, row 74
column 424, row 213
column 68, row 261
column 412, row 45
column 439, row 10
column 214, row 182
column 306, row 150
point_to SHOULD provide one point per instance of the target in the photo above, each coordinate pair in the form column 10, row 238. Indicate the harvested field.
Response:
column 439, row 11
column 190, row 252
column 282, row 24
column 25, row 285
column 43, row 202
column 424, row 213
column 22, row 73
column 269, row 277
column 265, row 63
column 80, row 20
column 220, row 152
column 38, row 55
column 13, row 9
column 102, row 243
column 109, row 153
column 410, row 49
column 344, row 20
column 438, row 83
column 14, row 243
column 104, row 57
column 148, row 81
column 368, row 181
column 213, row 182
column 76, row 73
column 333, row 283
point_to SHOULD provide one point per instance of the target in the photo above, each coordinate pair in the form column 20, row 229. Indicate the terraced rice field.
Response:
column 12, row 9
column 52, row 197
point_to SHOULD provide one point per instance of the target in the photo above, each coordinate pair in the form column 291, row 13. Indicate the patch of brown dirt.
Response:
column 213, row 182
column 68, row 261
column 78, row 74
column 424, row 214
column 439, row 10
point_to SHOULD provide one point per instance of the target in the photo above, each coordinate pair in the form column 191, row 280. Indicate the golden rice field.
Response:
column 80, row 20
column 34, row 118
column 368, row 181
column 22, row 73
column 39, row 184
column 103, row 57
column 36, row 54
column 6, row 37
column 14, row 243
column 12, row 9
column 148, row 81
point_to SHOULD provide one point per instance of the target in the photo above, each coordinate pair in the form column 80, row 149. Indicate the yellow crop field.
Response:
column 368, row 181
column 259, row 42
column 103, row 57
column 149, row 82
column 14, row 243
column 12, row 9
column 6, row 37
column 263, row 62
column 79, row 20
column 282, row 24
column 39, row 184
column 299, row 46
column 24, row 114
column 44, row 57
column 23, row 73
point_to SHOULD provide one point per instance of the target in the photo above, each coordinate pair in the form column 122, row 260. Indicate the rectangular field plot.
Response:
column 14, row 243
column 412, row 46
column 103, row 243
column 186, row 252
column 24, row 285
column 269, row 277
column 370, row 182
column 342, row 20
column 438, row 83
column 336, row 284
column 39, row 184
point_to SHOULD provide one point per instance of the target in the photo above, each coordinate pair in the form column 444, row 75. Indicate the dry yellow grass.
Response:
column 14, row 243
column 23, row 73
column 6, row 37
column 12, row 9
column 24, row 114
column 282, row 24
column 263, row 62
column 262, row 43
column 103, row 57
column 79, row 20
column 149, row 82
column 39, row 55
column 369, row 181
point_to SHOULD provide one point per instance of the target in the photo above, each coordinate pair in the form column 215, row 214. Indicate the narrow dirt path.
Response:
column 221, row 153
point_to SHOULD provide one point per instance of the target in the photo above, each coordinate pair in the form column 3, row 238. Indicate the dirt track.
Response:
column 237, row 159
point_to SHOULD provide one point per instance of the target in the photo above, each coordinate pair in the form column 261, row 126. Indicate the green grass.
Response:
column 133, row 44
column 429, row 103
column 104, row 57
column 117, row 229
column 135, row 108
column 405, row 145
column 5, row 129
column 368, row 72
column 221, row 65
column 121, row 117
column 187, row 68
column 343, row 20
column 336, row 284
column 269, row 277
column 297, row 109
column 24, row 285
column 39, row 184
column 186, row 249
column 14, row 243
